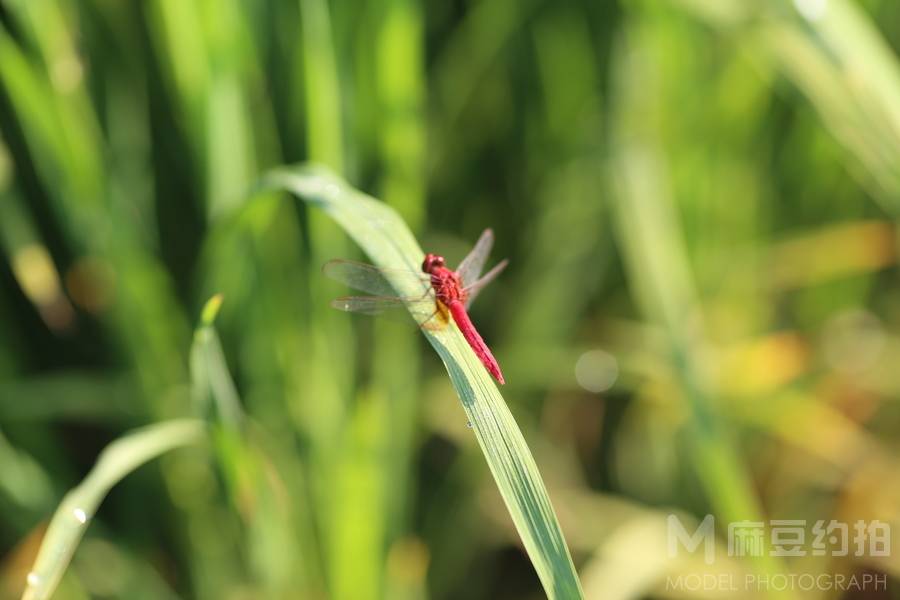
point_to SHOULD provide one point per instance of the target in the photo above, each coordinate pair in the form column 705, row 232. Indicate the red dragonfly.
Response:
column 443, row 291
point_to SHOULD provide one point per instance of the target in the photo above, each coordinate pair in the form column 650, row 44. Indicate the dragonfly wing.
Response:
column 470, row 267
column 473, row 290
column 374, row 280
column 421, row 309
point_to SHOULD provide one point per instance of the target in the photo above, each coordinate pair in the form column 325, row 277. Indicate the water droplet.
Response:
column 33, row 579
column 469, row 424
column 325, row 188
column 80, row 515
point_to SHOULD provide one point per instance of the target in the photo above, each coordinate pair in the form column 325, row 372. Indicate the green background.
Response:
column 698, row 200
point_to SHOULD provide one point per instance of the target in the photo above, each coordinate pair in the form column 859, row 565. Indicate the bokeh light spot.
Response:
column 596, row 370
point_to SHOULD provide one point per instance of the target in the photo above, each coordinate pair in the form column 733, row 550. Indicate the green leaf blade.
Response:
column 74, row 514
column 384, row 237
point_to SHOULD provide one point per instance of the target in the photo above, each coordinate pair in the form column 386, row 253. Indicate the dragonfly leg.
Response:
column 432, row 324
column 425, row 324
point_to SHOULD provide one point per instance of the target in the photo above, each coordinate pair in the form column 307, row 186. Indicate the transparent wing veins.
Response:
column 473, row 290
column 375, row 305
column 471, row 266
column 374, row 280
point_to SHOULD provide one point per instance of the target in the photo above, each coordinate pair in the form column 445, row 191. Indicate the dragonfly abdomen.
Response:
column 461, row 317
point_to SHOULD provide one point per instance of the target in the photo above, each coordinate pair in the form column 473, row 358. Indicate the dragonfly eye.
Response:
column 431, row 262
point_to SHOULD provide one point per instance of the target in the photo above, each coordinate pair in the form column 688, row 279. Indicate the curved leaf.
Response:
column 75, row 511
column 384, row 237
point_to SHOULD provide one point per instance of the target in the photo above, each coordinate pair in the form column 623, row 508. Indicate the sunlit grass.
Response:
column 703, row 192
column 385, row 239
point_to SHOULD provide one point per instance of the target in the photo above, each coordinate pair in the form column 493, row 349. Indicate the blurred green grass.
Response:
column 698, row 198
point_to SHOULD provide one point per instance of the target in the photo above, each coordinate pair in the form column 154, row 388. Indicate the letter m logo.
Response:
column 704, row 534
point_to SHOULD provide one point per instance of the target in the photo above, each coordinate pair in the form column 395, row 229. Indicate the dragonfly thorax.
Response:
column 446, row 283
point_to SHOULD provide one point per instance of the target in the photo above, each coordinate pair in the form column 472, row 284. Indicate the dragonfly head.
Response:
column 431, row 262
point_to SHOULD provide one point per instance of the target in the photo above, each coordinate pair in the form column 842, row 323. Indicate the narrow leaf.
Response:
column 383, row 235
column 75, row 511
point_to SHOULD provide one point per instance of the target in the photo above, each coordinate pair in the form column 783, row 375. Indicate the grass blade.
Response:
column 323, row 96
column 656, row 259
column 381, row 233
column 73, row 515
column 836, row 55
column 250, row 475
column 209, row 373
